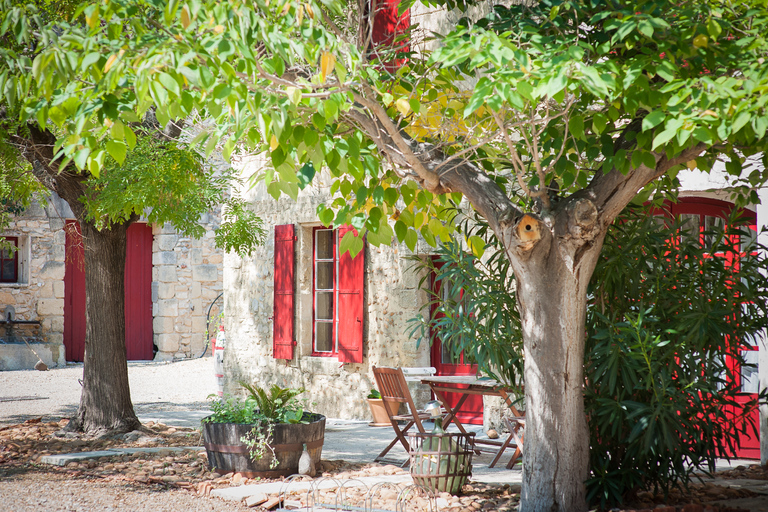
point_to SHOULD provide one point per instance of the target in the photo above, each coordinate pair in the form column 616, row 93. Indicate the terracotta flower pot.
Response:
column 380, row 417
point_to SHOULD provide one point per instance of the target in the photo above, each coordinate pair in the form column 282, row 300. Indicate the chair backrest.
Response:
column 393, row 388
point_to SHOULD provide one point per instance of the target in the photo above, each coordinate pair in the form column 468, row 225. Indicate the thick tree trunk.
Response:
column 105, row 403
column 552, row 305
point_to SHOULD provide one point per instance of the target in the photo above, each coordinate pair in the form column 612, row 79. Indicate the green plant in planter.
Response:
column 231, row 409
column 264, row 409
column 279, row 405
column 374, row 394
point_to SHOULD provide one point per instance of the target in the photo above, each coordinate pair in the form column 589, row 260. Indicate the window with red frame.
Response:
column 324, row 272
column 9, row 261
column 338, row 301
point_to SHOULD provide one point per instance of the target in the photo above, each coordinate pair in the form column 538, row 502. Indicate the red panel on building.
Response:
column 282, row 341
column 74, row 293
column 138, row 293
column 351, row 281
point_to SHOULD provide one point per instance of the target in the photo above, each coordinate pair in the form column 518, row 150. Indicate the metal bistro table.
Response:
column 466, row 385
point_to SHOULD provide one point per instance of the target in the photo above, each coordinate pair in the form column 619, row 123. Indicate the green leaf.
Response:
column 401, row 230
column 305, row 175
column 653, row 119
column 714, row 29
column 411, row 238
column 117, row 150
column 169, row 83
column 294, row 94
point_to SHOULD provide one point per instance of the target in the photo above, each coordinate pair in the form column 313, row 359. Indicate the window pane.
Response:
column 8, row 271
column 323, row 337
column 690, row 226
column 324, row 306
column 324, row 244
column 713, row 227
column 748, row 238
column 749, row 376
column 324, row 275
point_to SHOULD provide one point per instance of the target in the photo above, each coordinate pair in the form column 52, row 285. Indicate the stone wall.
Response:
column 186, row 279
column 40, row 295
column 391, row 297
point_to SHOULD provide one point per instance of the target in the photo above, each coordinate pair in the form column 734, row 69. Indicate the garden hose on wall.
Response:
column 217, row 320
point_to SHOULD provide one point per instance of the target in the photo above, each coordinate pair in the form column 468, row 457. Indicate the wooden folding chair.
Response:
column 394, row 389
column 516, row 433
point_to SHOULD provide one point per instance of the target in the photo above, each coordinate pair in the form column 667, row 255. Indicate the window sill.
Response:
column 321, row 365
column 14, row 285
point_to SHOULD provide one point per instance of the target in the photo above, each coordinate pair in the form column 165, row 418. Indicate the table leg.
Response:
column 451, row 413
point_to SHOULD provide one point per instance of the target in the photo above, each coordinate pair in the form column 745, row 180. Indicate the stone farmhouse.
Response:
column 171, row 281
column 299, row 314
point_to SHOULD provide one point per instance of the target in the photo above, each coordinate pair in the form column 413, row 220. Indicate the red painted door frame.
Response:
column 472, row 408
column 749, row 443
column 138, row 293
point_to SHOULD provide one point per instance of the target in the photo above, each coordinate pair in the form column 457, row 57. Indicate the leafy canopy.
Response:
column 562, row 90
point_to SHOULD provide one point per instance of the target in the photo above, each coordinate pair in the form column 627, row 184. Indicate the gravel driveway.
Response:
column 168, row 392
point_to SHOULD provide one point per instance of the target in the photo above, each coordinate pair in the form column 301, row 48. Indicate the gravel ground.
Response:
column 155, row 387
column 33, row 405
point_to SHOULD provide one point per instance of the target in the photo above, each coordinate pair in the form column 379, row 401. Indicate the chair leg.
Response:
column 501, row 450
column 399, row 436
column 517, row 433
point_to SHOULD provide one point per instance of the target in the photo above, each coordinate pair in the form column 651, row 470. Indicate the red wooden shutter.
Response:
column 282, row 343
column 351, row 280
column 388, row 25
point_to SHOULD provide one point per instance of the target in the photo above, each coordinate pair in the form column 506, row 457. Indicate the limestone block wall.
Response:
column 335, row 389
column 186, row 279
column 40, row 294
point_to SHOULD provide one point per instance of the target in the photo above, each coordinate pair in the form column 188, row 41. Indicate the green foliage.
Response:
column 157, row 179
column 242, row 230
column 17, row 183
column 278, row 405
column 231, row 409
column 585, row 86
column 662, row 348
column 263, row 409
column 659, row 394
column 473, row 312
column 374, row 394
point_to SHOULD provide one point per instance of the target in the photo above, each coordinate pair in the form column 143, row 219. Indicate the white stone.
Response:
column 167, row 308
column 50, row 307
column 52, row 270
column 166, row 274
column 164, row 258
column 205, row 273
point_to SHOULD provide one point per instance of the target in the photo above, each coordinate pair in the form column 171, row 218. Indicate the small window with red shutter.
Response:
column 337, row 296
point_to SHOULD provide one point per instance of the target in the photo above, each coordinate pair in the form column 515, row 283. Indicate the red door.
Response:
column 74, row 293
column 705, row 214
column 447, row 363
column 138, row 293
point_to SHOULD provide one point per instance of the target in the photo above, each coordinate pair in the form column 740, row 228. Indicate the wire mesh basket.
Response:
column 441, row 462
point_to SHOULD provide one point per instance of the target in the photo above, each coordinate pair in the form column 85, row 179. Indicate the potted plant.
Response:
column 376, row 403
column 262, row 435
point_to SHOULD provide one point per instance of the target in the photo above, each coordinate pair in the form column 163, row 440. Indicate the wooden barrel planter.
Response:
column 227, row 453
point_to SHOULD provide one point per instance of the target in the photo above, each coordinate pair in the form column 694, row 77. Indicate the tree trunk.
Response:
column 105, row 403
column 552, row 274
